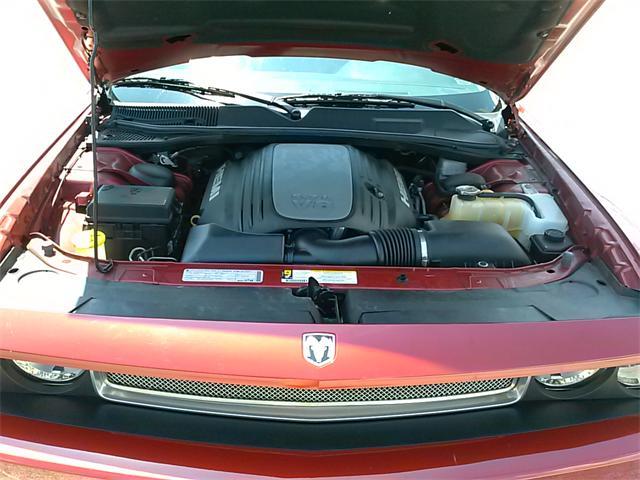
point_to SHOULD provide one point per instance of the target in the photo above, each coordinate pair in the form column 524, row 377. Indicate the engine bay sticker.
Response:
column 337, row 277
column 221, row 275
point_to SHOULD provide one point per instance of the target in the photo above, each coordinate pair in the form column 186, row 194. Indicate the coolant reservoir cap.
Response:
column 554, row 235
column 467, row 192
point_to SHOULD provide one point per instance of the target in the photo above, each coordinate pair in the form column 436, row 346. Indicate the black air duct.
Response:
column 439, row 244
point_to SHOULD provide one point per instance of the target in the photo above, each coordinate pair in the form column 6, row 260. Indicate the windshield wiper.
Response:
column 381, row 100
column 184, row 86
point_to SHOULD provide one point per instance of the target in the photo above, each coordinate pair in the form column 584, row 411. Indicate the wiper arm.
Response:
column 185, row 86
column 382, row 100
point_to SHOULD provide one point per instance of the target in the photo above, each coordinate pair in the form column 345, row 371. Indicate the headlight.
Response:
column 629, row 376
column 565, row 379
column 48, row 373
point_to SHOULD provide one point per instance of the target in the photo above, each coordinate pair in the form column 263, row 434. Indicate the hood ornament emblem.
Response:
column 319, row 349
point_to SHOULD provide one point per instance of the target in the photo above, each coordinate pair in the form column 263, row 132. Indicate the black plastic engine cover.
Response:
column 291, row 186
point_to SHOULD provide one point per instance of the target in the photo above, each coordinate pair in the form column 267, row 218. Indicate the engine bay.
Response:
column 334, row 232
column 313, row 204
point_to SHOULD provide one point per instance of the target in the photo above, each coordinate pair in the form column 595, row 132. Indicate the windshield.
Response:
column 284, row 76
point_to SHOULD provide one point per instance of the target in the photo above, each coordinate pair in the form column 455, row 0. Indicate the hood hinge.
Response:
column 511, row 119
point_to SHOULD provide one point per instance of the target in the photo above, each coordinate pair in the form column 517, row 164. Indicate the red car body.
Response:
column 373, row 356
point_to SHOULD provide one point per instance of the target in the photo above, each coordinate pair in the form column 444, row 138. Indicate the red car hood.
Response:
column 504, row 45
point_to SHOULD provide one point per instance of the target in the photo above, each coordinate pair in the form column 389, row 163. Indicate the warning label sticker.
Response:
column 221, row 275
column 337, row 277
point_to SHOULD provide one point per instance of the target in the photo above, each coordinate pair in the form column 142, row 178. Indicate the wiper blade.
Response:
column 341, row 99
column 382, row 100
column 185, row 86
column 173, row 84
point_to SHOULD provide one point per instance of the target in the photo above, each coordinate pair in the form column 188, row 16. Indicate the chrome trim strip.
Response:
column 307, row 412
column 310, row 404
column 424, row 253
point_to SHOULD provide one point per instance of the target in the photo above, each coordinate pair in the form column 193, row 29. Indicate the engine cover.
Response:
column 292, row 186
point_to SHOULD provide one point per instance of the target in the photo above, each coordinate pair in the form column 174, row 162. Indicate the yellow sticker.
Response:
column 336, row 277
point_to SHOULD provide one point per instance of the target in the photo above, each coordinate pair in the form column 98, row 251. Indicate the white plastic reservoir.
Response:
column 516, row 215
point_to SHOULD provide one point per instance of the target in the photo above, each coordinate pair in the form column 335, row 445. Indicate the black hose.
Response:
column 399, row 247
column 314, row 247
column 519, row 196
column 394, row 247
column 441, row 243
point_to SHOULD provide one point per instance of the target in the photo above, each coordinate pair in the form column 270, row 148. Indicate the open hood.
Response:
column 504, row 45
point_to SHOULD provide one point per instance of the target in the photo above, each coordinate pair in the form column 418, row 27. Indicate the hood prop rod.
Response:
column 102, row 267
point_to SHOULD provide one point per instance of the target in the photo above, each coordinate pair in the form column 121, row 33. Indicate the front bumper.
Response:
column 609, row 449
column 81, row 434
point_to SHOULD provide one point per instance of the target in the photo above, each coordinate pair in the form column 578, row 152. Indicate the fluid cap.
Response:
column 467, row 192
column 554, row 235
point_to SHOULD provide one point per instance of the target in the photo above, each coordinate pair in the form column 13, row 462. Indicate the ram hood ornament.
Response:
column 319, row 349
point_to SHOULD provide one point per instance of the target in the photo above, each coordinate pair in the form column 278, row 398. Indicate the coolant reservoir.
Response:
column 519, row 216
column 83, row 243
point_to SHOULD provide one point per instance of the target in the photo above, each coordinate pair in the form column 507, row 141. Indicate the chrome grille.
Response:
column 307, row 404
column 307, row 395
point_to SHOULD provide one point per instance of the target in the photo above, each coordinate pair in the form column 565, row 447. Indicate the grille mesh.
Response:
column 307, row 395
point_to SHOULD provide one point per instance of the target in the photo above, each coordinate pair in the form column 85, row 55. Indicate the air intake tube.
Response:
column 440, row 243
column 401, row 247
